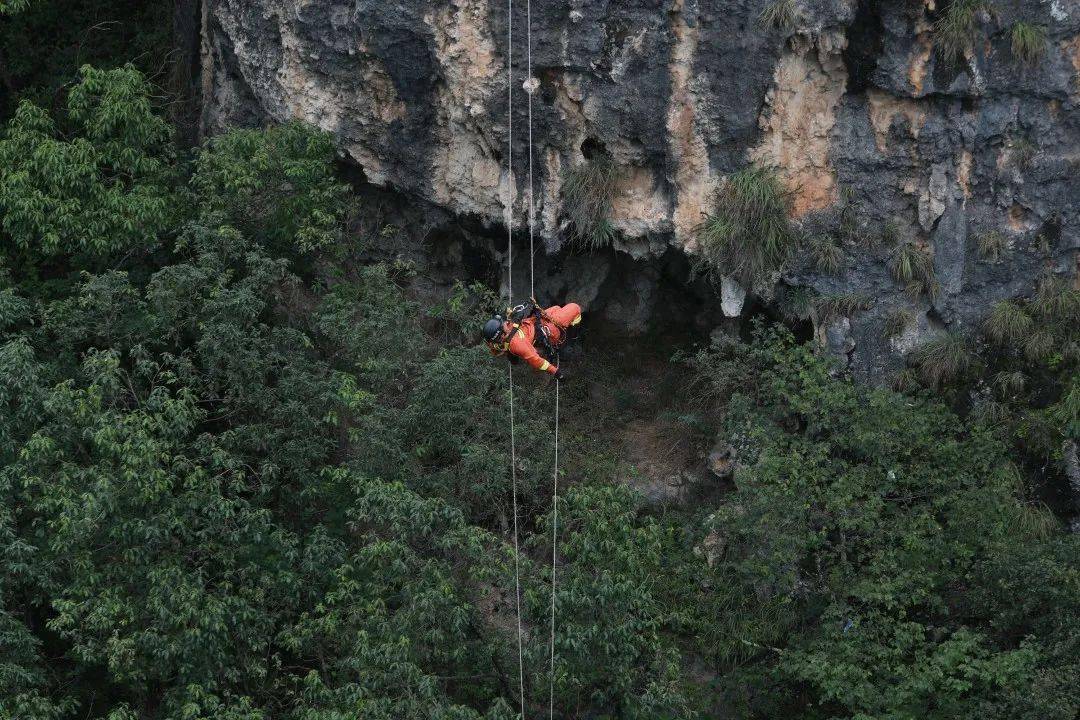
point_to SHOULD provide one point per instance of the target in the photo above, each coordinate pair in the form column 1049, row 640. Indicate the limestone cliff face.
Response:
column 853, row 105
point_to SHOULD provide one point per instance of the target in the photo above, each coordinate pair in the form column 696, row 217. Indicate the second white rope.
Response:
column 554, row 547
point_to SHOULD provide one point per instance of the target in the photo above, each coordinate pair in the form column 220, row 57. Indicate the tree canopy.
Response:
column 245, row 474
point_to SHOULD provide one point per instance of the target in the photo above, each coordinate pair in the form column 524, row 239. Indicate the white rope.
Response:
column 517, row 563
column 532, row 204
column 554, row 546
column 510, row 292
column 531, row 88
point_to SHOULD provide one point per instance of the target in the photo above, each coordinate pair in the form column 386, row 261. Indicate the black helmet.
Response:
column 493, row 329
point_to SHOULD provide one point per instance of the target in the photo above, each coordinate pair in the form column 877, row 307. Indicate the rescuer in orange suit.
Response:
column 529, row 327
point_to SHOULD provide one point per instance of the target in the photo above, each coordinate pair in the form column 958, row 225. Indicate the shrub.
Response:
column 890, row 520
column 588, row 190
column 779, row 14
column 954, row 31
column 1056, row 300
column 97, row 179
column 750, row 236
column 1028, row 42
column 796, row 304
column 826, row 254
column 10, row 7
column 991, row 246
column 849, row 218
column 277, row 185
column 942, row 360
column 1038, row 346
column 914, row 267
column 829, row 307
column 1008, row 323
column 1010, row 382
column 890, row 233
column 898, row 321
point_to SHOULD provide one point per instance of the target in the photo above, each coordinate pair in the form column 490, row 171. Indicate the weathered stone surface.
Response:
column 853, row 106
column 732, row 297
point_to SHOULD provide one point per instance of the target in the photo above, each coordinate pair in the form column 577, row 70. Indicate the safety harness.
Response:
column 532, row 309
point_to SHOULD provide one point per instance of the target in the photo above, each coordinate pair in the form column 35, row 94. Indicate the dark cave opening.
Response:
column 866, row 41
column 593, row 148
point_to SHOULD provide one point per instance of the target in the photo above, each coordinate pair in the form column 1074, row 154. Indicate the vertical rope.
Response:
column 510, row 293
column 532, row 204
column 517, row 562
column 554, row 546
column 510, row 150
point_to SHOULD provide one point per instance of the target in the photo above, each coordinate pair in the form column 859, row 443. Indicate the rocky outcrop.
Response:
column 865, row 121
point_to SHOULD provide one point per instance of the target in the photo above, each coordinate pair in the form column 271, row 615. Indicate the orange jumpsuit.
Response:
column 522, row 341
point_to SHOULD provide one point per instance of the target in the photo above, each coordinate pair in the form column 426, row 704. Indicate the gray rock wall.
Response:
column 853, row 105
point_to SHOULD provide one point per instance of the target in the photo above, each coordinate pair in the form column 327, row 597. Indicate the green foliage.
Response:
column 826, row 254
column 891, row 234
column 898, row 321
column 749, row 237
column 796, row 303
column 942, row 361
column 10, row 7
column 956, row 28
column 106, row 189
column 588, row 191
column 913, row 266
column 992, row 245
column 1008, row 324
column 276, row 185
column 1028, row 42
column 779, row 14
column 207, row 479
column 871, row 527
column 828, row 307
column 614, row 559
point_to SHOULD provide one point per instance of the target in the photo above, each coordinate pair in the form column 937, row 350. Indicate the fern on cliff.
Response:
column 898, row 321
column 1028, row 42
column 1008, row 324
column 831, row 307
column 826, row 254
column 942, row 360
column 954, row 31
column 749, row 237
column 914, row 267
column 992, row 245
column 779, row 14
column 588, row 190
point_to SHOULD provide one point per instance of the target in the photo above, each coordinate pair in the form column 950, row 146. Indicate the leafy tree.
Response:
column 613, row 658
column 246, row 476
column 276, row 184
column 209, row 465
column 98, row 181
column 872, row 521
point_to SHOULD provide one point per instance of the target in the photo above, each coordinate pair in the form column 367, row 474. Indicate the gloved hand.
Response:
column 560, row 375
